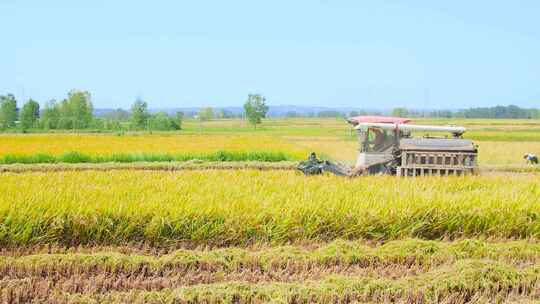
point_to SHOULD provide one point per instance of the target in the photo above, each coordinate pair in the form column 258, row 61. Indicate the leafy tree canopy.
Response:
column 8, row 111
column 29, row 114
column 255, row 109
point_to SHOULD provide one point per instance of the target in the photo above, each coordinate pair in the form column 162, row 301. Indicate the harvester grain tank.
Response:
column 386, row 146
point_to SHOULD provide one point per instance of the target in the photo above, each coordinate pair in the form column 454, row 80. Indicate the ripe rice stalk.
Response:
column 86, row 147
column 225, row 208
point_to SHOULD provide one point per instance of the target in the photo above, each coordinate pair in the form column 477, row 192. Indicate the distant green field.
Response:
column 478, row 129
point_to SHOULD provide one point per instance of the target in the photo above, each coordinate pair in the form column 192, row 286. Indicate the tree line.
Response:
column 76, row 112
column 509, row 112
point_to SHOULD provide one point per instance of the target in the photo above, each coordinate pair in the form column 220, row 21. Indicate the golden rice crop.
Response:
column 505, row 153
column 96, row 144
column 337, row 148
column 243, row 207
column 56, row 211
column 344, row 150
column 500, row 142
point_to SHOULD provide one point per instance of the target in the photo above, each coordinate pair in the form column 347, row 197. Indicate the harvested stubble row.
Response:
column 217, row 208
column 459, row 283
column 337, row 253
column 341, row 271
column 462, row 282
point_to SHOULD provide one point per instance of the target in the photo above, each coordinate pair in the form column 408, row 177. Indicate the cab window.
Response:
column 379, row 140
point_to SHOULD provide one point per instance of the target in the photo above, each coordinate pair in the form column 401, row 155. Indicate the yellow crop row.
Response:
column 337, row 148
column 57, row 144
column 240, row 207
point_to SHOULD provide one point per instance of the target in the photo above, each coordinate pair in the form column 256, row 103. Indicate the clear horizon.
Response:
column 424, row 55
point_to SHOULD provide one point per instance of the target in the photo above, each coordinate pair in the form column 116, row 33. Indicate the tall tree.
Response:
column 139, row 114
column 255, row 109
column 65, row 115
column 8, row 111
column 50, row 115
column 80, row 106
column 29, row 114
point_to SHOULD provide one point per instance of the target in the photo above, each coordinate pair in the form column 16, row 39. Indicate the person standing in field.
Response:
column 531, row 158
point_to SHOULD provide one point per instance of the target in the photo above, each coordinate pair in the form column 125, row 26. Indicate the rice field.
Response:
column 87, row 148
column 57, row 144
column 478, row 129
column 243, row 207
column 500, row 143
column 216, row 213
column 266, row 236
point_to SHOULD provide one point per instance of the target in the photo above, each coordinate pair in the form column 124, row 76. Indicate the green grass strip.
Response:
column 78, row 157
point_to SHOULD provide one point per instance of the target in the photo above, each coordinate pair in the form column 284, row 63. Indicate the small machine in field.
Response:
column 386, row 146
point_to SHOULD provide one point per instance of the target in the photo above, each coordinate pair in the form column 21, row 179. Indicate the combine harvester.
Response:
column 386, row 146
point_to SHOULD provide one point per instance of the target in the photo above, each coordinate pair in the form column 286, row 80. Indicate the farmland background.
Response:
column 500, row 141
column 162, row 152
column 161, row 217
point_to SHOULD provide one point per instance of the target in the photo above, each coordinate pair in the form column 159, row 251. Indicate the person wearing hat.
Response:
column 531, row 158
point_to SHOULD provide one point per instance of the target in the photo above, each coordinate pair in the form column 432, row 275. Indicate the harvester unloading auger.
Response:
column 386, row 146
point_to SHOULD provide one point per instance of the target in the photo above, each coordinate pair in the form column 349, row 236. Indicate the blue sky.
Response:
column 372, row 54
